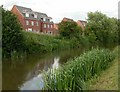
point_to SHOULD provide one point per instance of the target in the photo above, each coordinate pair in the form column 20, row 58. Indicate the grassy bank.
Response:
column 75, row 73
column 40, row 43
column 108, row 79
column 46, row 43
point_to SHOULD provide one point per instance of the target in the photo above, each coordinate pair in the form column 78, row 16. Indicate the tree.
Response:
column 12, row 39
column 69, row 29
column 102, row 27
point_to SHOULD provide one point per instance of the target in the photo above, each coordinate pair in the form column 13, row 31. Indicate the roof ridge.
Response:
column 23, row 7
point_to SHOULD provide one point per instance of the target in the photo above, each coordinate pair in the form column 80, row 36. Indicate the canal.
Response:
column 25, row 73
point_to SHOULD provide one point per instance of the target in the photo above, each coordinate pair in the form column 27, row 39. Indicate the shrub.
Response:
column 12, row 39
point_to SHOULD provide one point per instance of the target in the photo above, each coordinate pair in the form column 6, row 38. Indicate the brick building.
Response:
column 34, row 21
column 82, row 24
column 67, row 19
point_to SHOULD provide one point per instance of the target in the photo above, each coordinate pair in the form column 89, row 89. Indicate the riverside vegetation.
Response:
column 16, row 43
column 100, row 30
column 109, row 78
column 75, row 73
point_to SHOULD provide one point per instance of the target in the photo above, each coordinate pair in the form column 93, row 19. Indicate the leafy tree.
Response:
column 12, row 39
column 102, row 27
column 69, row 29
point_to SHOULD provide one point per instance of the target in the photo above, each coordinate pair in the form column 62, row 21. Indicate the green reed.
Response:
column 74, row 74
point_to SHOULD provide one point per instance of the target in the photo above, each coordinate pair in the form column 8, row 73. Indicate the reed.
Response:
column 74, row 74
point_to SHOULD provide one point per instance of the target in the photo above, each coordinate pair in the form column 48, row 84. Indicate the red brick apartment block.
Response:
column 34, row 21
column 80, row 23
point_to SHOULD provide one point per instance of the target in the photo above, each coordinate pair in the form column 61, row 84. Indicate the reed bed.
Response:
column 73, row 75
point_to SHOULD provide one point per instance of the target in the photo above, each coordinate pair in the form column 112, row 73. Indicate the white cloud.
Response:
column 76, row 9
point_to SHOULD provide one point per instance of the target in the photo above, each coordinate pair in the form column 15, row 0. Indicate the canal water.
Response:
column 26, row 73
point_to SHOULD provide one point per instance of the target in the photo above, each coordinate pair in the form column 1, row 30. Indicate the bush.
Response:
column 73, row 75
column 12, row 39
column 40, row 43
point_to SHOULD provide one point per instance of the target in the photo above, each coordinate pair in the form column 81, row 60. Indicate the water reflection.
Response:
column 56, row 63
column 26, row 74
column 36, row 83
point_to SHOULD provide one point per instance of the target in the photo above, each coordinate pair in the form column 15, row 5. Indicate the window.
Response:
column 43, row 19
column 35, row 15
column 27, row 15
column 32, row 23
column 36, row 23
column 27, row 22
column 48, row 25
column 51, row 26
column 29, row 29
column 48, row 20
column 45, row 25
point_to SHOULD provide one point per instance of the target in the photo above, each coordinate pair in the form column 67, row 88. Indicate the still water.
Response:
column 26, row 73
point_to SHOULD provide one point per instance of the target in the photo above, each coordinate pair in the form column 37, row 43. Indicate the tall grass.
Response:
column 74, row 74
column 45, row 43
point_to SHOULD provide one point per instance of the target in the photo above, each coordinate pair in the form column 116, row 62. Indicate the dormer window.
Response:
column 42, row 19
column 27, row 15
column 35, row 15
column 48, row 20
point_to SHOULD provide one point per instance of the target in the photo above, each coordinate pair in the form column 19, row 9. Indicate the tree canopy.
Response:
column 102, row 28
column 12, row 39
column 69, row 29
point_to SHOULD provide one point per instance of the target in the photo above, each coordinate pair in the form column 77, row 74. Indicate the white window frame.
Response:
column 51, row 26
column 44, row 19
column 48, row 26
column 35, row 15
column 45, row 25
column 32, row 23
column 27, row 22
column 37, row 23
column 26, row 14
column 30, row 29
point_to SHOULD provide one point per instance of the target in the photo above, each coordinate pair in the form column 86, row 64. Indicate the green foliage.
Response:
column 40, row 43
column 75, row 73
column 12, row 39
column 101, row 28
column 69, row 29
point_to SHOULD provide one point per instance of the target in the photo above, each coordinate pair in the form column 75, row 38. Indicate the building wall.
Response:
column 47, row 29
column 35, row 27
column 19, row 16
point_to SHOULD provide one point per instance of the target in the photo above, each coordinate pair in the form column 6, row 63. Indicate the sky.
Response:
column 74, row 9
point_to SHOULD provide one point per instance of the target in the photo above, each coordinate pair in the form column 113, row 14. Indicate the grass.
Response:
column 75, row 73
column 108, row 79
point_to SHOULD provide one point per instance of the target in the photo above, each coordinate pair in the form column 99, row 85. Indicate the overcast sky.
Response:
column 75, row 9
